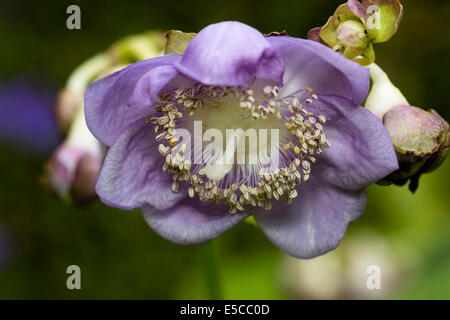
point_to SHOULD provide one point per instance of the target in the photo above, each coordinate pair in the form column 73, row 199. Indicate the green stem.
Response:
column 212, row 270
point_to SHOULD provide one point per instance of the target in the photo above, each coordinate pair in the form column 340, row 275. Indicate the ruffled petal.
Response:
column 148, row 87
column 106, row 101
column 315, row 222
column 132, row 174
column 361, row 151
column 311, row 64
column 192, row 221
column 231, row 54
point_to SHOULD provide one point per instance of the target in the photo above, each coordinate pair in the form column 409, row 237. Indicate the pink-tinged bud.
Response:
column 61, row 167
column 421, row 141
column 72, row 173
column 73, row 169
column 85, row 178
column 352, row 37
column 445, row 145
column 414, row 131
column 420, row 137
column 314, row 35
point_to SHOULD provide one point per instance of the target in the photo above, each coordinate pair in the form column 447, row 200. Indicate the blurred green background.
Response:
column 121, row 257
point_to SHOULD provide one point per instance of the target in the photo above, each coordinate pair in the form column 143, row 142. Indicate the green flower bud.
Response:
column 355, row 27
column 71, row 96
column 346, row 32
column 138, row 47
column 177, row 41
column 123, row 52
column 329, row 32
column 383, row 18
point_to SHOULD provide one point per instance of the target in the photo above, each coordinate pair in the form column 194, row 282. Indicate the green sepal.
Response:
column 177, row 41
column 390, row 15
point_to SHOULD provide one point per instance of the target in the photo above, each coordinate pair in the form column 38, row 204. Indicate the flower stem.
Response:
column 212, row 270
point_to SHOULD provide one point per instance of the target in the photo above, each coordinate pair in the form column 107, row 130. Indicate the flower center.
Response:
column 277, row 138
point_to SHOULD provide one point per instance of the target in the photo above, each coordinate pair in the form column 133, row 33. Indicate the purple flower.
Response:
column 27, row 120
column 231, row 76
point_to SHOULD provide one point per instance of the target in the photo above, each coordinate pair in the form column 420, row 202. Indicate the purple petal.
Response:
column 361, row 150
column 310, row 64
column 132, row 174
column 315, row 222
column 148, row 87
column 106, row 100
column 231, row 54
column 61, row 167
column 192, row 221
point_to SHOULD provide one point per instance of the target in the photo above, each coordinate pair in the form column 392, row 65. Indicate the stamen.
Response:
column 211, row 182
